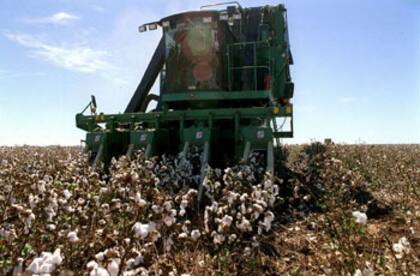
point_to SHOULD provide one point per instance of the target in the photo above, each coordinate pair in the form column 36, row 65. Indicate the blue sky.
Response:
column 356, row 72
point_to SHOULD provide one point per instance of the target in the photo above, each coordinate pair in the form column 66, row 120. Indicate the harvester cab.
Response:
column 225, row 86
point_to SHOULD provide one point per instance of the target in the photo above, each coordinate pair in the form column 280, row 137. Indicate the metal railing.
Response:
column 232, row 48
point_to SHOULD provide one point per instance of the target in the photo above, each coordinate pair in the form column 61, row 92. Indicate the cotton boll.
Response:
column 214, row 206
column 113, row 267
column 33, row 201
column 195, row 234
column 152, row 226
column 35, row 266
column 92, row 265
column 244, row 225
column 255, row 242
column 72, row 237
column 228, row 171
column 8, row 234
column 96, row 199
column 217, row 185
column 255, row 215
column 401, row 247
column 29, row 219
column 358, row 272
column 105, row 208
column 156, row 209
column 69, row 209
column 184, row 204
column 169, row 244
column 243, row 209
column 100, row 271
column 56, row 258
column 222, row 210
column 360, row 217
column 141, row 230
column 268, row 184
column 183, row 235
column 227, row 221
column 218, row 239
column 256, row 194
column 167, row 205
column 232, row 197
column 232, row 238
column 258, row 208
column 139, row 201
column 404, row 241
column 130, row 263
column 67, row 194
column 185, row 226
column 272, row 200
column 169, row 220
column 46, row 263
column 62, row 201
column 18, row 208
column 81, row 201
column 143, row 272
column 268, row 219
column 134, row 177
column 100, row 256
column 41, row 186
column 238, row 216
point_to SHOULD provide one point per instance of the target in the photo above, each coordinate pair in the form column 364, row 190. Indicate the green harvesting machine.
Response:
column 225, row 86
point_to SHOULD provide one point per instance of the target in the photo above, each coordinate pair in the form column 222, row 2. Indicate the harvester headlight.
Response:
column 152, row 26
column 207, row 19
column 142, row 29
column 166, row 24
column 224, row 17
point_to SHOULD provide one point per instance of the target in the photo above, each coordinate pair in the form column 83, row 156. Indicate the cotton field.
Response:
column 335, row 209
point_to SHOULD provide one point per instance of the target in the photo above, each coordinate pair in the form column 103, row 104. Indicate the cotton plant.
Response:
column 121, row 221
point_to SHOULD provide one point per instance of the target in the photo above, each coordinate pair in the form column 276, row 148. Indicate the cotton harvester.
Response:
column 224, row 84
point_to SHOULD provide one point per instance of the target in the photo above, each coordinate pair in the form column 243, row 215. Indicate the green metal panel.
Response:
column 157, row 139
column 196, row 135
column 220, row 95
column 90, row 123
column 257, row 135
column 95, row 139
column 141, row 138
column 114, row 144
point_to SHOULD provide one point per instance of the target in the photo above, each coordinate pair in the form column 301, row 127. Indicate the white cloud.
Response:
column 59, row 18
column 78, row 58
